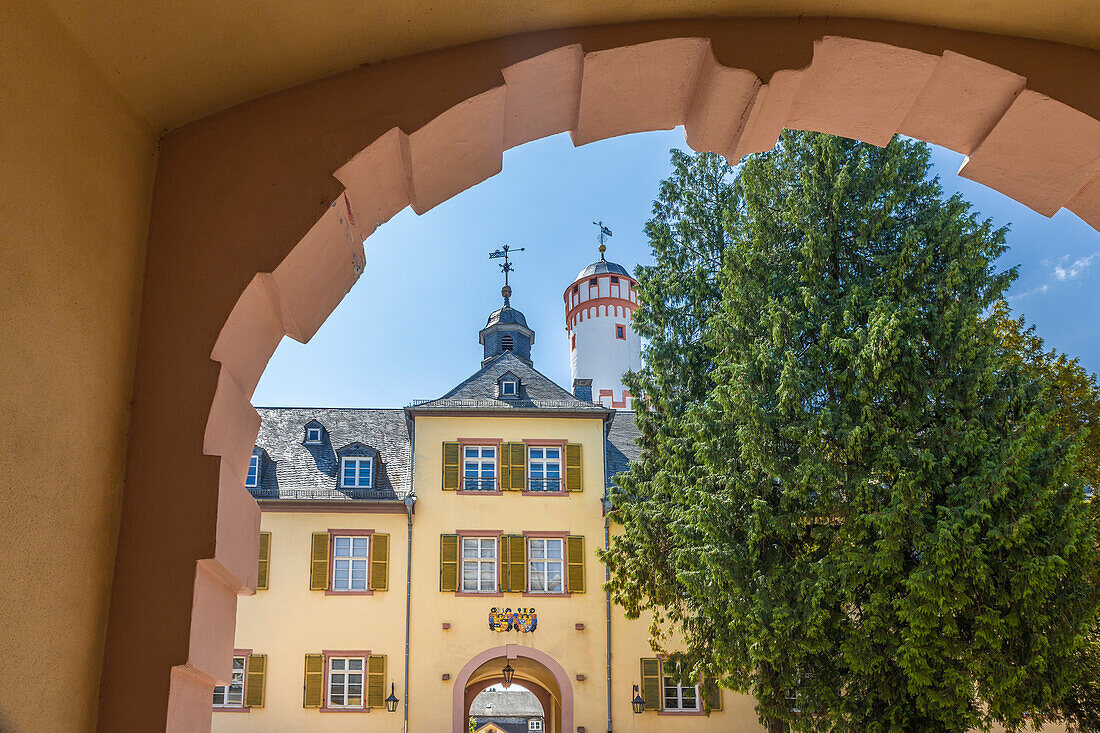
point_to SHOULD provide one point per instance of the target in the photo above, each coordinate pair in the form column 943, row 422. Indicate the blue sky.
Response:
column 408, row 329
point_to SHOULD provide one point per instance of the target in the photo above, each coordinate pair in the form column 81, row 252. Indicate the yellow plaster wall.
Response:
column 75, row 187
column 288, row 621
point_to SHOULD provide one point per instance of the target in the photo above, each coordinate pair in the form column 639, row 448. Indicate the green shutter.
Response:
column 651, row 683
column 574, row 555
column 448, row 563
column 265, row 561
column 379, row 561
column 255, row 667
column 504, row 467
column 513, row 563
column 452, row 461
column 712, row 694
column 573, row 467
column 517, row 460
column 376, row 681
column 318, row 566
column 313, row 688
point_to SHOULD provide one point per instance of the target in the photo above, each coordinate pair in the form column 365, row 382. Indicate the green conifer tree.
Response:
column 867, row 515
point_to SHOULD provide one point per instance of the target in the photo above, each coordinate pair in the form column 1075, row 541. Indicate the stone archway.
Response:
column 533, row 668
column 241, row 189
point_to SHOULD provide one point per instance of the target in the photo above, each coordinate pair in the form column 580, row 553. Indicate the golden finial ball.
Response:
column 603, row 248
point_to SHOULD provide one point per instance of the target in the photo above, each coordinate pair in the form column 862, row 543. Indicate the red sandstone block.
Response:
column 638, row 88
column 232, row 426
column 213, row 617
column 237, row 543
column 1040, row 153
column 542, row 95
column 458, row 149
column 377, row 180
column 719, row 107
column 768, row 114
column 859, row 89
column 1086, row 203
column 250, row 334
column 319, row 271
column 962, row 101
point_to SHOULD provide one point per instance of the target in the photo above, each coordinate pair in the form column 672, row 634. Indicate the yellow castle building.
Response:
column 412, row 558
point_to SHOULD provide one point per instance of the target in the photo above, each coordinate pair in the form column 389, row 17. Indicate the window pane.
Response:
column 359, row 546
column 355, row 664
column 553, row 548
column 342, row 545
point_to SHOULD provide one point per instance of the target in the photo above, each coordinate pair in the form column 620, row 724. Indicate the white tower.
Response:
column 599, row 310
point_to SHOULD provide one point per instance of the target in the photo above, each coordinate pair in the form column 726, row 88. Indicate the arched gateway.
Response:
column 534, row 669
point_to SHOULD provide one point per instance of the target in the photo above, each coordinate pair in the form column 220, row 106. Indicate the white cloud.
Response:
column 1075, row 270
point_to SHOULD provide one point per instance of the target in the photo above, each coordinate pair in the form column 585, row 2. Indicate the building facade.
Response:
column 419, row 556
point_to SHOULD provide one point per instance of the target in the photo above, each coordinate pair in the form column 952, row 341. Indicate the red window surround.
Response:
column 620, row 331
column 329, row 653
column 478, row 533
column 332, row 534
column 481, row 442
column 564, row 563
column 539, row 442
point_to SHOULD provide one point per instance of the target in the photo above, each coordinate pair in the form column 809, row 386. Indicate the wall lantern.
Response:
column 638, row 703
column 391, row 701
column 508, row 673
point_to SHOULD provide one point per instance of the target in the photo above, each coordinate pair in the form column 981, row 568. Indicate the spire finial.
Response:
column 506, row 267
column 605, row 233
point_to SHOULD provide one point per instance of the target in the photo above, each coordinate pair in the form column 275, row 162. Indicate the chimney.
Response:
column 582, row 389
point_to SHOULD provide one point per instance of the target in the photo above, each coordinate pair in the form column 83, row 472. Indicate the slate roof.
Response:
column 602, row 266
column 537, row 391
column 505, row 704
column 622, row 444
column 292, row 470
column 507, row 314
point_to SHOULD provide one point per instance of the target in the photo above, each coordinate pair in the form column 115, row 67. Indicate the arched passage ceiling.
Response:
column 178, row 61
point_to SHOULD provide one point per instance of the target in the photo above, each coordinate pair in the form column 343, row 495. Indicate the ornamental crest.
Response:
column 523, row 620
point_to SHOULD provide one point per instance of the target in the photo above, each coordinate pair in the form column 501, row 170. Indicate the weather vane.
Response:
column 506, row 267
column 605, row 233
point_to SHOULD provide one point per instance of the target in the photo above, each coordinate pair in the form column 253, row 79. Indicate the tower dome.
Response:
column 506, row 330
column 599, row 311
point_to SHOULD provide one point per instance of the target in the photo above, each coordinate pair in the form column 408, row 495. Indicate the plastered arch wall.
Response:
column 252, row 191
column 460, row 700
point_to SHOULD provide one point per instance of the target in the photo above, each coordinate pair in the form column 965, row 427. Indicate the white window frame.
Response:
column 677, row 694
column 505, row 384
column 543, row 465
column 347, row 683
column 236, row 679
column 358, row 460
column 486, row 459
column 252, row 478
column 479, row 562
column 534, row 724
column 540, row 565
column 320, row 433
column 356, row 557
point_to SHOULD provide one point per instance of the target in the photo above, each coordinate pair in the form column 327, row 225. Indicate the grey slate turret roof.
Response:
column 537, row 391
column 507, row 314
column 290, row 469
column 600, row 267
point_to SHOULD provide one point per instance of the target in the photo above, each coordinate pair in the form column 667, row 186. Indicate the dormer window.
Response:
column 356, row 472
column 313, row 435
column 507, row 343
column 252, row 479
column 509, row 388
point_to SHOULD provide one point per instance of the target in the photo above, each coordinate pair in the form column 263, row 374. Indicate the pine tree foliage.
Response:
column 852, row 501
